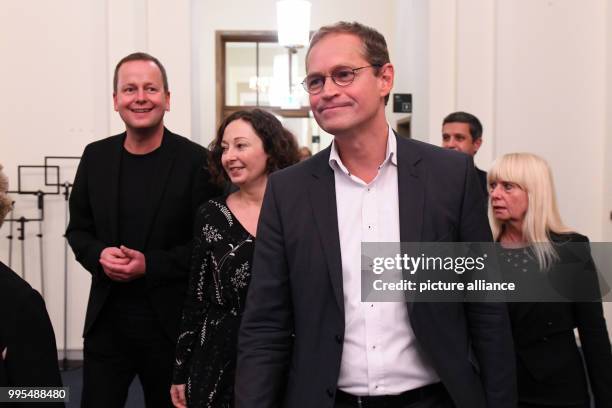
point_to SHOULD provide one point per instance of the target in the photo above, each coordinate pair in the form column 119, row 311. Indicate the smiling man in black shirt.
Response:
column 131, row 220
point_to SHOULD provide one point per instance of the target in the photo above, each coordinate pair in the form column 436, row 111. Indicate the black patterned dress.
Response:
column 220, row 274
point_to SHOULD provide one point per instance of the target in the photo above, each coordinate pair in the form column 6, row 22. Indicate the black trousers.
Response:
column 118, row 348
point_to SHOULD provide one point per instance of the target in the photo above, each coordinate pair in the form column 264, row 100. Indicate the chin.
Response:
column 237, row 182
column 145, row 123
column 335, row 127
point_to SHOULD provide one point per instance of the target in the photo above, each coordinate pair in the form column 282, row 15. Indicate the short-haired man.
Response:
column 307, row 339
column 131, row 222
column 462, row 131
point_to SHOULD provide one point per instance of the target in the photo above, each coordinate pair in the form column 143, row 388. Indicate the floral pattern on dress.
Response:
column 220, row 274
column 211, row 234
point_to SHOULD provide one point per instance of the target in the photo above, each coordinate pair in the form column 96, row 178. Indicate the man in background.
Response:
column 462, row 131
column 131, row 221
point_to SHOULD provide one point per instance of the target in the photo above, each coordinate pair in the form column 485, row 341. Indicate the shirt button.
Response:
column 339, row 339
column 330, row 392
column 549, row 323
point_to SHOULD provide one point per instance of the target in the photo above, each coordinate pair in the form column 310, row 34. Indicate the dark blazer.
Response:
column 291, row 336
column 27, row 335
column 482, row 176
column 549, row 366
column 182, row 186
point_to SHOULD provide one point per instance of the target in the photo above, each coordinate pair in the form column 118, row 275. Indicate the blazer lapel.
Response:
column 114, row 167
column 323, row 202
column 161, row 175
column 411, row 192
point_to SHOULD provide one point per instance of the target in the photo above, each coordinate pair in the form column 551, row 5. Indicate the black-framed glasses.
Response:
column 342, row 76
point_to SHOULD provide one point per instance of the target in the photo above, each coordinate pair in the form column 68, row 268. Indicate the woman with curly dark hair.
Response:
column 248, row 147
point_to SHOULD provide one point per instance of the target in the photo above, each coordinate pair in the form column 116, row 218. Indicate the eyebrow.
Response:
column 238, row 138
column 134, row 84
column 335, row 67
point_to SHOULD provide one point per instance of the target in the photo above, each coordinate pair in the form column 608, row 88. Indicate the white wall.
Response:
column 52, row 105
column 537, row 72
column 58, row 63
column 607, row 199
column 58, row 59
column 534, row 72
column 607, row 151
column 261, row 15
column 550, row 99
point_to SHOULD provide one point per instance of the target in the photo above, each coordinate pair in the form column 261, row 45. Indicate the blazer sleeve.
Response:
column 265, row 337
column 594, row 339
column 165, row 265
column 81, row 231
column 31, row 355
column 488, row 322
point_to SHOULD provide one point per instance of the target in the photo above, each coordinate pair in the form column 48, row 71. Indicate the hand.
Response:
column 177, row 392
column 123, row 264
column 112, row 256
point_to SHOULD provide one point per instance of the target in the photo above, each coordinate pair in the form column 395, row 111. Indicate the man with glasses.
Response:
column 307, row 339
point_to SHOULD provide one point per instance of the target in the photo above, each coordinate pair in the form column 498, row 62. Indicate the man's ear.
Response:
column 386, row 76
column 477, row 144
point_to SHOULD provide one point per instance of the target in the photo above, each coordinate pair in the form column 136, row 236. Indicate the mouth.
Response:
column 142, row 110
column 327, row 108
column 233, row 170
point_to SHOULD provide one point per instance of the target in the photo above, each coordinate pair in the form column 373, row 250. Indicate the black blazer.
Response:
column 183, row 184
column 482, row 176
column 292, row 331
column 27, row 335
column 549, row 366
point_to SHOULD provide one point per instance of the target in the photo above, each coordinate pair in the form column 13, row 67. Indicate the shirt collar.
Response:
column 390, row 155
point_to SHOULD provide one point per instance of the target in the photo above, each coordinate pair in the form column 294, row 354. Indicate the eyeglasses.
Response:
column 342, row 76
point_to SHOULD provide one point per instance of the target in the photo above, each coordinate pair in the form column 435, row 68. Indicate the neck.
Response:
column 143, row 141
column 252, row 194
column 363, row 151
column 512, row 233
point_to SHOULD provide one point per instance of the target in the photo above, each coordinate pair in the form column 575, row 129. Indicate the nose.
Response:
column 495, row 192
column 228, row 155
column 140, row 95
column 330, row 88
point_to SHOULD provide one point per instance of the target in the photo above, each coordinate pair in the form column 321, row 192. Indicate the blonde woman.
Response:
column 525, row 220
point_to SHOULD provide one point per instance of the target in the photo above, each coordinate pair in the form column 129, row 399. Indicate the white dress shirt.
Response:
column 380, row 355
